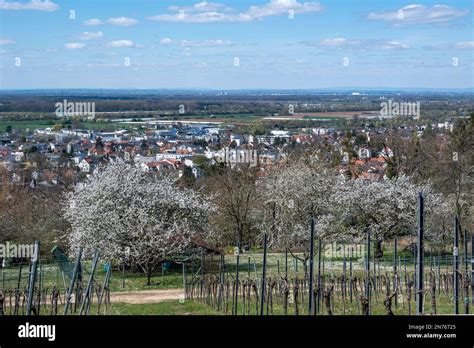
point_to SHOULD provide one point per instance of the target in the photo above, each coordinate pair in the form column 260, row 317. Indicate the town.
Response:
column 62, row 154
column 267, row 170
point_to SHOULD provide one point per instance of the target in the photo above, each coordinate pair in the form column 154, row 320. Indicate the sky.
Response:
column 245, row 44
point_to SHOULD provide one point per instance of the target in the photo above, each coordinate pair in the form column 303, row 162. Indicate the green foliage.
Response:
column 258, row 128
column 200, row 161
column 187, row 179
column 200, row 142
column 360, row 140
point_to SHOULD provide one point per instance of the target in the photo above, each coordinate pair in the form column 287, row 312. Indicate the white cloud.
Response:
column 121, row 44
column 119, row 21
column 200, row 65
column 340, row 43
column 122, row 21
column 419, row 14
column 204, row 17
column 35, row 5
column 188, row 43
column 102, row 65
column 186, row 52
column 93, row 22
column 469, row 45
column 466, row 44
column 74, row 45
column 202, row 6
column 394, row 45
column 166, row 41
column 272, row 8
column 6, row 42
column 90, row 35
column 281, row 7
column 206, row 43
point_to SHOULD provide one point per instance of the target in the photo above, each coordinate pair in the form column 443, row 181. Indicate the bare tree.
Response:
column 234, row 192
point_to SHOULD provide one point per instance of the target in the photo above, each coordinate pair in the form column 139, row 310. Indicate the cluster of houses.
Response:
column 52, row 157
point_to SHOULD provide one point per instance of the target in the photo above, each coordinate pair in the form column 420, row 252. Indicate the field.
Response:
column 45, row 122
column 210, row 287
column 34, row 124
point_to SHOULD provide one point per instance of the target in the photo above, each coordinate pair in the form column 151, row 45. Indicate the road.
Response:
column 146, row 296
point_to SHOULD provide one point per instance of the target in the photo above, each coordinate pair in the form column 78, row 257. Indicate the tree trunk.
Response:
column 241, row 235
column 378, row 252
column 364, row 301
column 148, row 278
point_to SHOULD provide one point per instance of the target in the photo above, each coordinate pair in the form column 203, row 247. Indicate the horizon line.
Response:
column 234, row 89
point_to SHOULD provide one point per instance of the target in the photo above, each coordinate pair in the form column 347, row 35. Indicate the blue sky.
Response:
column 281, row 44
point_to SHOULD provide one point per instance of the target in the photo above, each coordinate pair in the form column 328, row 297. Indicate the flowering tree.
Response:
column 345, row 209
column 388, row 208
column 291, row 196
column 136, row 217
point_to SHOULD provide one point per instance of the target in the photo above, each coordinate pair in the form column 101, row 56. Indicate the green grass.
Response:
column 444, row 305
column 201, row 307
column 329, row 117
column 275, row 270
column 161, row 308
column 51, row 276
column 34, row 124
column 174, row 278
column 136, row 282
column 197, row 307
column 22, row 125
column 232, row 116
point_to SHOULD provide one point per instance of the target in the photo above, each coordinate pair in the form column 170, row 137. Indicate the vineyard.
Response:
column 422, row 284
column 341, row 287
column 337, row 280
column 45, row 287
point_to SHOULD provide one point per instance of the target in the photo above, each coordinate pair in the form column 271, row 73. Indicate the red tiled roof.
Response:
column 379, row 159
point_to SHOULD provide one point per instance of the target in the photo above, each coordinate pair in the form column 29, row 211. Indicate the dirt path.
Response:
column 146, row 296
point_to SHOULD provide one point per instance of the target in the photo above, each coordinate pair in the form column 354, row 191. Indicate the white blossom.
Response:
column 135, row 217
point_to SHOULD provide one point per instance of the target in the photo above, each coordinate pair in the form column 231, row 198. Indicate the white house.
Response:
column 139, row 159
column 323, row 131
column 237, row 139
column 387, row 152
column 85, row 165
column 280, row 133
column 365, row 153
column 18, row 156
column 174, row 156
